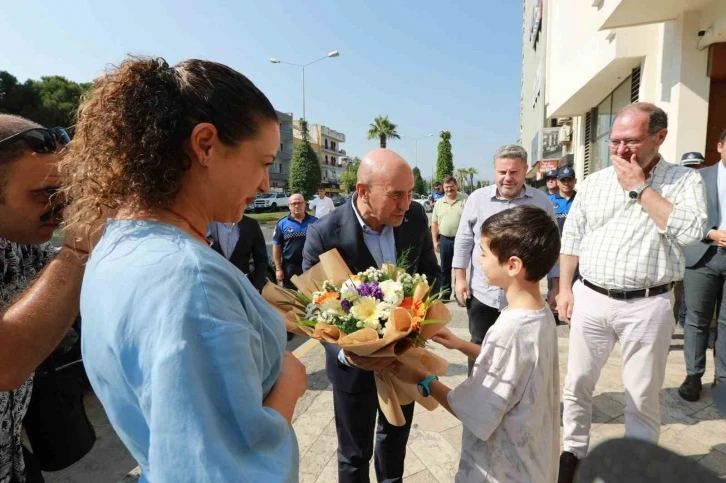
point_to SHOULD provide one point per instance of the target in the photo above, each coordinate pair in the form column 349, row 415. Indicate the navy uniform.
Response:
column 290, row 235
column 562, row 205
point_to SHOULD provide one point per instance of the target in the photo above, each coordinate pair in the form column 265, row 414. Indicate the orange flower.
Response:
column 325, row 297
column 417, row 309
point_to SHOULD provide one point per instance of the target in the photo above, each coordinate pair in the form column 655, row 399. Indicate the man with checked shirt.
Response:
column 625, row 229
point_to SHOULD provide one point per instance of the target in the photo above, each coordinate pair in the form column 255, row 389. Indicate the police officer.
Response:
column 562, row 200
column 551, row 181
column 289, row 239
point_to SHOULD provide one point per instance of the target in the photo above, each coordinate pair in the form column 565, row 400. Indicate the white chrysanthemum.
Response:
column 384, row 310
column 392, row 292
column 365, row 310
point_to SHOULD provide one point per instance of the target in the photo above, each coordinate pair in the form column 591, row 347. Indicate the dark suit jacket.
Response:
column 341, row 230
column 251, row 244
column 694, row 253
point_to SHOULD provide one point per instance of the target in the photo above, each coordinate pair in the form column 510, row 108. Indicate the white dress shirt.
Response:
column 323, row 206
column 618, row 244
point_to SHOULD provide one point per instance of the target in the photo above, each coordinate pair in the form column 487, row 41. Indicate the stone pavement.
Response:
column 692, row 429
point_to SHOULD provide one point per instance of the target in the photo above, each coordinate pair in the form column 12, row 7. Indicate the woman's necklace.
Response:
column 186, row 220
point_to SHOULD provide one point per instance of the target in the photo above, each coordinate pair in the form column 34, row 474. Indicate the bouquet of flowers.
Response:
column 384, row 312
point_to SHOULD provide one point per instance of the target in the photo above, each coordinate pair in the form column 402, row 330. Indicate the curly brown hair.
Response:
column 128, row 148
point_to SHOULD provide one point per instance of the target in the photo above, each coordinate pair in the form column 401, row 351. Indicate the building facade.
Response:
column 548, row 141
column 600, row 55
column 326, row 143
column 280, row 170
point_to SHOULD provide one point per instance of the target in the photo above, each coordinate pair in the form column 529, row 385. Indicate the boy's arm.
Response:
column 470, row 349
column 440, row 392
column 447, row 339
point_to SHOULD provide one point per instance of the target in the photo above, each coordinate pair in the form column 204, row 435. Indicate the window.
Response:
column 326, row 159
column 332, row 145
column 280, row 168
column 281, row 195
column 606, row 112
column 332, row 160
column 326, row 144
column 282, row 148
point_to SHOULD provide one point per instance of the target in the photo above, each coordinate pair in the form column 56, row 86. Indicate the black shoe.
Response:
column 690, row 390
column 568, row 465
column 290, row 335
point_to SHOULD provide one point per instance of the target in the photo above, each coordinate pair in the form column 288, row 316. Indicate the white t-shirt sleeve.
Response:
column 500, row 375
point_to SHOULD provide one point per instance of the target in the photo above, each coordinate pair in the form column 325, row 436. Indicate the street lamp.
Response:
column 334, row 53
column 416, row 140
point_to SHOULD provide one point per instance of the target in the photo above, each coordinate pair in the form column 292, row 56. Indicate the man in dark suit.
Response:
column 378, row 225
column 239, row 243
column 704, row 279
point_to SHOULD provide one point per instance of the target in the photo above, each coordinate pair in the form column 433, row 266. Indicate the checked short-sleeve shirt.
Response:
column 618, row 244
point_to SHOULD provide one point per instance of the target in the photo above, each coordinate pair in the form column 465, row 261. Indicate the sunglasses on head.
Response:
column 40, row 140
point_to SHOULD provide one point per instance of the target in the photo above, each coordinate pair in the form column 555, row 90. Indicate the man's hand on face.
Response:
column 630, row 174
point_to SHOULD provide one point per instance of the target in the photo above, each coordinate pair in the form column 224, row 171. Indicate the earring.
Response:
column 203, row 162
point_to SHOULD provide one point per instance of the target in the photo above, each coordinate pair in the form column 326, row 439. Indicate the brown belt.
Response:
column 630, row 294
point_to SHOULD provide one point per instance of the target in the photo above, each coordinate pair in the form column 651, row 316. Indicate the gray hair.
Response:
column 511, row 151
column 657, row 118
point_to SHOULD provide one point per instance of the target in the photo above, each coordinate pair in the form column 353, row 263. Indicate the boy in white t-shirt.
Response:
column 510, row 405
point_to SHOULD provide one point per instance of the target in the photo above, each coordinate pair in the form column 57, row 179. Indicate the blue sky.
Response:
column 430, row 66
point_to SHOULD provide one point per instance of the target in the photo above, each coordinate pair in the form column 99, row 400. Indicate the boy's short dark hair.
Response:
column 525, row 232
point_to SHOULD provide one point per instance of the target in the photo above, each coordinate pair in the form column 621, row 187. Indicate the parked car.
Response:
column 424, row 201
column 340, row 200
column 272, row 202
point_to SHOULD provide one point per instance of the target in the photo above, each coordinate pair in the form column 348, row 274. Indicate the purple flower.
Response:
column 346, row 304
column 370, row 289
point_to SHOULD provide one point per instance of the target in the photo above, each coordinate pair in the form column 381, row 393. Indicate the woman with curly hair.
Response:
column 185, row 356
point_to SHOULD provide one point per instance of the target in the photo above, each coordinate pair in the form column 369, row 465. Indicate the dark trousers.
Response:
column 355, row 420
column 705, row 281
column 481, row 318
column 446, row 246
column 290, row 269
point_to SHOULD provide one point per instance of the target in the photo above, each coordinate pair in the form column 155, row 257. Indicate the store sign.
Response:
column 551, row 147
column 547, row 165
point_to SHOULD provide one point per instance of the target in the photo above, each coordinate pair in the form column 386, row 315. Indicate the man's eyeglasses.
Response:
column 628, row 143
column 40, row 140
column 294, row 203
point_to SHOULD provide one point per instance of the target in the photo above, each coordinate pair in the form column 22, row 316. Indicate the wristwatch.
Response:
column 424, row 386
column 635, row 194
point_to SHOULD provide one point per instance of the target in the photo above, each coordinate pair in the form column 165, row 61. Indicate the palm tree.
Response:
column 472, row 172
column 461, row 174
column 382, row 129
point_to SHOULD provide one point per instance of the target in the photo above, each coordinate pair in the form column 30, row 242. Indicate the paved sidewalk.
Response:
column 692, row 429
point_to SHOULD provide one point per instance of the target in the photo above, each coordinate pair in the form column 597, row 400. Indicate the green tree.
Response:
column 305, row 173
column 382, row 129
column 51, row 101
column 419, row 185
column 461, row 174
column 349, row 179
column 471, row 172
column 445, row 159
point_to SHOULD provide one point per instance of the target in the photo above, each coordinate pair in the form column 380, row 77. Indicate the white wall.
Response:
column 532, row 114
column 674, row 71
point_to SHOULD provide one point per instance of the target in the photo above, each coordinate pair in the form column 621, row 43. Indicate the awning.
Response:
column 629, row 13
